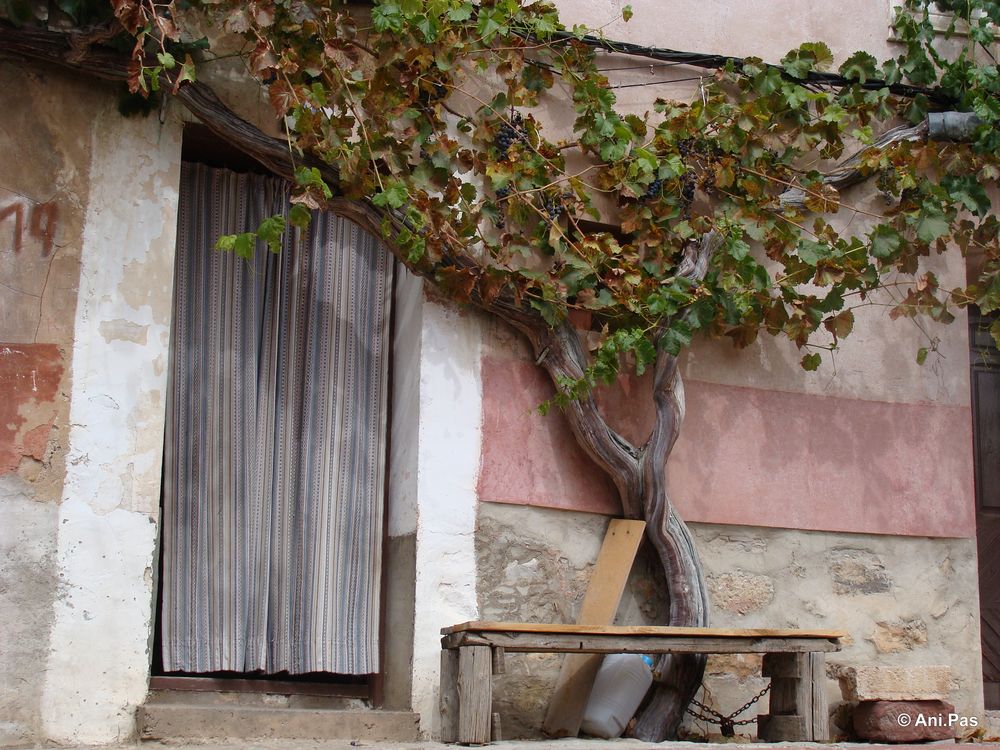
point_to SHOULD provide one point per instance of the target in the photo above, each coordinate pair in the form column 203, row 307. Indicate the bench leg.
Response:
column 475, row 694
column 820, row 708
column 798, row 699
column 449, row 695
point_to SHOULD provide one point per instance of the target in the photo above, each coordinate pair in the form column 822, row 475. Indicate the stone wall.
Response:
column 903, row 601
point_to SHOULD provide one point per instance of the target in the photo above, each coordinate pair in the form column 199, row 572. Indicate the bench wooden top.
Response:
column 638, row 630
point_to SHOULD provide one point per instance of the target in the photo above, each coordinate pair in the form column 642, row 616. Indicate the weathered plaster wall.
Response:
column 903, row 601
column 450, row 409
column 98, row 664
column 43, row 196
column 87, row 201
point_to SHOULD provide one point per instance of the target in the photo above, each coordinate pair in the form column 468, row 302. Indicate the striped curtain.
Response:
column 275, row 440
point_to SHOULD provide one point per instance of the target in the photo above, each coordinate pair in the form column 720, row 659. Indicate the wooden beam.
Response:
column 600, row 603
column 608, row 643
column 665, row 630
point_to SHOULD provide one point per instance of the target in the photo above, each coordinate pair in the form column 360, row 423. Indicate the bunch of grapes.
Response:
column 510, row 133
column 653, row 191
column 553, row 208
column 689, row 185
column 500, row 221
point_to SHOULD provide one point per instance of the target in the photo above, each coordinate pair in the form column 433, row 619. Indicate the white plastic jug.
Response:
column 619, row 687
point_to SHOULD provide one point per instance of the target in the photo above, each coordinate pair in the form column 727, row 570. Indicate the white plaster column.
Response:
column 98, row 665
column 450, row 428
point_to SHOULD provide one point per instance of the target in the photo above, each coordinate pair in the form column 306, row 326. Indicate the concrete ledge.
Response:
column 203, row 722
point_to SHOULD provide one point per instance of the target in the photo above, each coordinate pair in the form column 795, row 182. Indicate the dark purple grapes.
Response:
column 654, row 189
column 688, row 188
column 510, row 133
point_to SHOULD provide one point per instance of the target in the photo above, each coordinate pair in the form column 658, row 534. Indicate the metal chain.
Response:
column 726, row 723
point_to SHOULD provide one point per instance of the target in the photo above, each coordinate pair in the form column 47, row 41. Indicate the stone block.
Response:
column 904, row 721
column 899, row 635
column 856, row 571
column 881, row 683
column 740, row 591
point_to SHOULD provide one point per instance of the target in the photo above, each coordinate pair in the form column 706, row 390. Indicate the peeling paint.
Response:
column 29, row 381
column 124, row 330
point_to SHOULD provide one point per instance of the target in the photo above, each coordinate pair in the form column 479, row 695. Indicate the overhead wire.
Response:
column 714, row 61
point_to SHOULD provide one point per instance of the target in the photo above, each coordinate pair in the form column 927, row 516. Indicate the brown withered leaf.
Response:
column 466, row 159
column 262, row 59
column 168, row 28
column 281, row 97
column 458, row 282
column 840, row 325
column 307, row 199
column 130, row 14
column 490, row 287
column 824, row 199
column 775, row 248
column 451, row 191
column 136, row 83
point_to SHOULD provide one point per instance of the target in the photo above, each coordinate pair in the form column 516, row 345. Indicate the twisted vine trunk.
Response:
column 638, row 473
column 680, row 674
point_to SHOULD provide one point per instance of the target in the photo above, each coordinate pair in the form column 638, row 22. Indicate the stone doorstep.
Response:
column 883, row 683
column 194, row 721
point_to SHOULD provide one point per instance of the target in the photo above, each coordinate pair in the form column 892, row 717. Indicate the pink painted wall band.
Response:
column 749, row 456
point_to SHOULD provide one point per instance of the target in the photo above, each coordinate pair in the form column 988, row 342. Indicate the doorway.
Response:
column 271, row 565
column 985, row 366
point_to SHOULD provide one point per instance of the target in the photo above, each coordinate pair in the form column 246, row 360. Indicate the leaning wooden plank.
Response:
column 604, row 643
column 475, row 695
column 546, row 627
column 600, row 603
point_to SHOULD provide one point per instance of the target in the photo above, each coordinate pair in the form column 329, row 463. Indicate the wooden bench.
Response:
column 794, row 660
